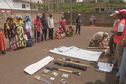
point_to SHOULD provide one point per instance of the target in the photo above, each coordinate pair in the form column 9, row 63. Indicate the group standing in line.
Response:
column 19, row 31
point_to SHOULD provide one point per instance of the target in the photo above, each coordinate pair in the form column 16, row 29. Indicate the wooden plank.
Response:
column 98, row 48
column 95, row 48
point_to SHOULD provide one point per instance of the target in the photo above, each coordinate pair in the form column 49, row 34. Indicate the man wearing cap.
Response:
column 120, row 34
column 112, row 45
column 78, row 22
column 98, row 38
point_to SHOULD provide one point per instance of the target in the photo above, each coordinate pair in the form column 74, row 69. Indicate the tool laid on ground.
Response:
column 54, row 73
column 72, row 62
column 76, row 61
column 65, row 75
column 59, row 64
column 43, row 75
column 33, row 68
column 97, row 48
column 84, row 68
column 66, row 59
column 50, row 67
column 41, row 79
column 63, row 81
column 46, row 71
column 52, row 78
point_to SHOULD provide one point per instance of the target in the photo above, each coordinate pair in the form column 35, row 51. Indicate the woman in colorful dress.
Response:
column 13, row 40
column 2, row 42
column 70, row 31
column 59, row 32
column 10, row 33
column 20, row 33
column 28, row 25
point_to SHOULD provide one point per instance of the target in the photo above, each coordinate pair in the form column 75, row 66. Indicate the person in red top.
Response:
column 38, row 28
column 2, row 42
column 120, row 34
column 63, row 24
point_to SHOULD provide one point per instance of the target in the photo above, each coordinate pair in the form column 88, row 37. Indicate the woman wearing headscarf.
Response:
column 59, row 32
column 20, row 32
column 10, row 33
column 28, row 25
column 70, row 31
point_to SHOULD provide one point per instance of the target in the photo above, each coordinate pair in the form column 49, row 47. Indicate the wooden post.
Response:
column 70, row 12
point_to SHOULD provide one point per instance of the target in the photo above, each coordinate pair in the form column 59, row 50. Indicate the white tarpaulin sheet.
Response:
column 75, row 52
column 31, row 69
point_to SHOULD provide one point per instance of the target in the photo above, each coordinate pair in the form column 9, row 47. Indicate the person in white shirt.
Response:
column 51, row 26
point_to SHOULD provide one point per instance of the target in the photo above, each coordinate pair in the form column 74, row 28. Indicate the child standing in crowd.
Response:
column 2, row 42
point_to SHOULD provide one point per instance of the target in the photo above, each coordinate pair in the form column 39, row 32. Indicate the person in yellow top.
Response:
column 10, row 33
column 20, row 32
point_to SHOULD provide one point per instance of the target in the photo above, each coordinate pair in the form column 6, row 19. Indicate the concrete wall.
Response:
column 32, row 14
column 102, row 19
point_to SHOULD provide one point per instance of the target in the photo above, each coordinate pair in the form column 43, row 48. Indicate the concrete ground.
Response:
column 12, row 64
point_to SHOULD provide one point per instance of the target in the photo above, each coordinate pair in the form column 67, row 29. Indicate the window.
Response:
column 102, row 9
column 23, row 6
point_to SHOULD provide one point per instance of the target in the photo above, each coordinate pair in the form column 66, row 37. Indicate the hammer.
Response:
column 50, row 67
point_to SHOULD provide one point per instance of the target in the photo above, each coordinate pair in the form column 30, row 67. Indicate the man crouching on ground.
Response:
column 98, row 38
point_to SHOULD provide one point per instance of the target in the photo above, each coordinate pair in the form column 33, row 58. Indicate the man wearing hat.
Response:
column 78, row 22
column 120, row 34
column 98, row 38
column 112, row 45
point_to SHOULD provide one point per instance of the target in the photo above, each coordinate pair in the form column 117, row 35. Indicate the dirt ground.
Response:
column 13, row 63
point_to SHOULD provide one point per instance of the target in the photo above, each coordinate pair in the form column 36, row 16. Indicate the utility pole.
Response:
column 96, row 1
column 57, row 8
column 70, row 12
column 60, row 6
column 48, row 5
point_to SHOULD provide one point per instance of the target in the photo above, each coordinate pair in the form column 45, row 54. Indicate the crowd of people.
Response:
column 19, row 31
column 117, row 45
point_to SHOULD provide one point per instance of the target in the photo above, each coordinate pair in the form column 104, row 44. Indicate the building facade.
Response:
column 15, row 4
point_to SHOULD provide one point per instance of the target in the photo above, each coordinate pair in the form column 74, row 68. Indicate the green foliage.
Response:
column 78, row 7
column 116, row 1
column 92, row 1
column 33, row 7
column 113, row 5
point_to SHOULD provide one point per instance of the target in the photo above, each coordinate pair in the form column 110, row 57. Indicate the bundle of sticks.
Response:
column 74, row 65
column 84, row 68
